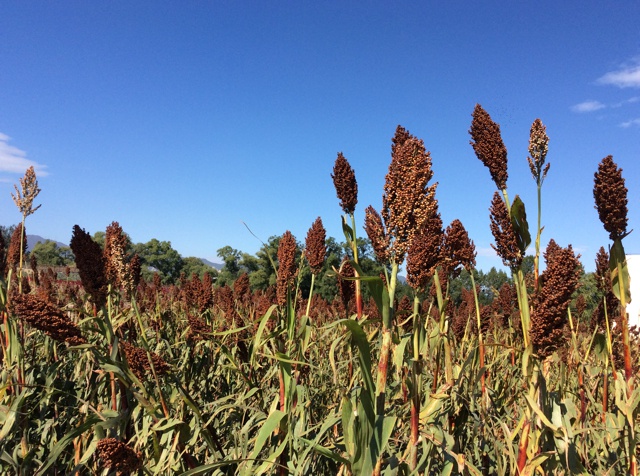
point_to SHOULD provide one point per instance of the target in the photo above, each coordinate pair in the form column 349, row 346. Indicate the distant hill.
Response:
column 217, row 266
column 32, row 240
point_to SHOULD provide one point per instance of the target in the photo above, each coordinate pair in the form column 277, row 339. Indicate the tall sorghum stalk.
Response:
column 423, row 256
column 538, row 148
column 24, row 201
column 286, row 277
column 344, row 180
column 510, row 230
column 610, row 195
column 408, row 202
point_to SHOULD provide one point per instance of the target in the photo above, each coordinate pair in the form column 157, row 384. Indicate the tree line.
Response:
column 159, row 257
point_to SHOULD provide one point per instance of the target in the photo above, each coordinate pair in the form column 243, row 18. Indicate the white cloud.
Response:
column 588, row 106
column 632, row 122
column 628, row 76
column 631, row 100
column 486, row 252
column 14, row 160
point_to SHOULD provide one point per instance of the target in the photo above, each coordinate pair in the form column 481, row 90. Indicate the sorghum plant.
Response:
column 315, row 251
column 344, row 180
column 538, row 148
column 551, row 302
column 46, row 317
column 23, row 199
column 610, row 194
column 91, row 266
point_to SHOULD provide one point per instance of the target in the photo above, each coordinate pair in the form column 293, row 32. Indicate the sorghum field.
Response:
column 112, row 374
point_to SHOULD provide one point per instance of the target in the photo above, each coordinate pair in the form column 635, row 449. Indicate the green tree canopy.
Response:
column 159, row 256
column 48, row 253
column 191, row 265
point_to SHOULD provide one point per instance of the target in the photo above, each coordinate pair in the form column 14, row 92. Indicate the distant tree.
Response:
column 489, row 284
column 7, row 231
column 528, row 264
column 159, row 256
column 100, row 237
column 48, row 253
column 191, row 265
column 265, row 275
column 231, row 269
column 592, row 295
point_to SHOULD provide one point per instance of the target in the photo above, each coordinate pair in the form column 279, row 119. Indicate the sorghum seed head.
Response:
column 506, row 242
column 610, row 195
column 408, row 200
column 344, row 179
column 315, row 247
column 287, row 269
column 44, row 316
column 13, row 254
column 117, row 268
column 425, row 253
column 538, row 148
column 550, row 304
column 488, row 146
column 138, row 361
column 376, row 233
column 30, row 190
column 90, row 263
column 346, row 287
column 118, row 456
column 458, row 249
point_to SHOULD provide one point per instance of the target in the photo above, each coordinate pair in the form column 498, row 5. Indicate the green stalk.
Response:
column 628, row 370
column 536, row 259
column 385, row 351
column 444, row 330
column 313, row 280
column 416, row 384
column 354, row 247
column 480, row 339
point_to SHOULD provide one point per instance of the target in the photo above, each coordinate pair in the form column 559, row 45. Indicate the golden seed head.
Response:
column 538, row 148
column 29, row 191
column 408, row 200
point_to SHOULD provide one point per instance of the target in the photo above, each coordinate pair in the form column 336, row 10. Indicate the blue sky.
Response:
column 184, row 120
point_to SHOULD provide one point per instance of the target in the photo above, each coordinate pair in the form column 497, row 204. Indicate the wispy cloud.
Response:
column 14, row 160
column 487, row 252
column 631, row 100
column 627, row 76
column 632, row 122
column 588, row 106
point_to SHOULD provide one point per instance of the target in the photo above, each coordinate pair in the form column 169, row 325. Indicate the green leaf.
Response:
column 520, row 225
column 348, row 232
column 619, row 271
